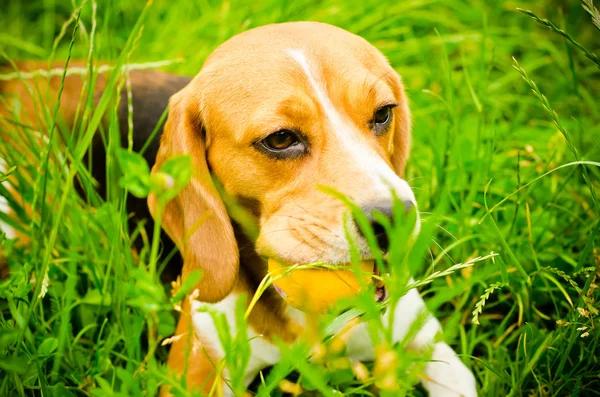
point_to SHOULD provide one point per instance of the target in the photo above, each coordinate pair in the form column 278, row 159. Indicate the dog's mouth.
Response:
column 316, row 288
column 381, row 293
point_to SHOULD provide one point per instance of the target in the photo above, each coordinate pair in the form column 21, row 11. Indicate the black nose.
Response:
column 378, row 228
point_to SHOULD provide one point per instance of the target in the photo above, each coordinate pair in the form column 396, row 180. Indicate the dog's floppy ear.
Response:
column 401, row 134
column 196, row 219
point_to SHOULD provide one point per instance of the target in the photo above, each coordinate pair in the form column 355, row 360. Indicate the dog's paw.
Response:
column 447, row 376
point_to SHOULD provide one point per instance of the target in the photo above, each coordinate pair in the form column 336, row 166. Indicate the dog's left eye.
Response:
column 282, row 144
column 381, row 119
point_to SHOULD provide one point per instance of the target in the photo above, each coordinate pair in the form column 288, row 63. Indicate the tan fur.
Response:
column 191, row 356
column 196, row 219
column 25, row 101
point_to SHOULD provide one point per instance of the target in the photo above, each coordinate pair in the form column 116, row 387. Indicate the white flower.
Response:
column 195, row 294
column 172, row 339
column 44, row 288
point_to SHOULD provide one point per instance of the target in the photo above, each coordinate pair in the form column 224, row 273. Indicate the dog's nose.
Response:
column 378, row 228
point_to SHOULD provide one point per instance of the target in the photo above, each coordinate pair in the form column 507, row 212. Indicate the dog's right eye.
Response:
column 282, row 144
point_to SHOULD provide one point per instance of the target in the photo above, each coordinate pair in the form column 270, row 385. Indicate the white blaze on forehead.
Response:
column 366, row 159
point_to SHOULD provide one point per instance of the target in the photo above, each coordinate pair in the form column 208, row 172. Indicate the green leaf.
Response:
column 340, row 377
column 7, row 337
column 94, row 297
column 48, row 346
column 493, row 370
column 179, row 168
column 132, row 163
column 187, row 285
column 60, row 390
column 166, row 324
column 104, row 384
column 16, row 364
column 136, row 173
column 4, row 175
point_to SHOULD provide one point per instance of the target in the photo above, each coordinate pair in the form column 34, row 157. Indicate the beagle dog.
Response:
column 275, row 113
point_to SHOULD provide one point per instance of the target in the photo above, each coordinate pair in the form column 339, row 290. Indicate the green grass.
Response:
column 505, row 160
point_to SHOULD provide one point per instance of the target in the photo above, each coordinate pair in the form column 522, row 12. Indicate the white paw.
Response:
column 448, row 376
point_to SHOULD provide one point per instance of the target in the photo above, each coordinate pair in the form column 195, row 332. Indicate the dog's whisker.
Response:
column 305, row 221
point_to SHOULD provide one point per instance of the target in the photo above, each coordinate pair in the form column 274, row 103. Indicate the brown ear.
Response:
column 196, row 219
column 401, row 137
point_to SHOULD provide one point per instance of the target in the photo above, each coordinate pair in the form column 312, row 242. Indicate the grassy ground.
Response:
column 505, row 115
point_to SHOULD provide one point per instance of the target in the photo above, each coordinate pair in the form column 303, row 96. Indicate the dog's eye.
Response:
column 282, row 144
column 281, row 140
column 382, row 115
column 381, row 119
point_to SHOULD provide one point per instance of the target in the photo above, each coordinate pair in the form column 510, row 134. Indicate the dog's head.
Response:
column 275, row 113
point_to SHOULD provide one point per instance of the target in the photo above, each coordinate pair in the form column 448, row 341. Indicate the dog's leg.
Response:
column 446, row 375
column 192, row 355
column 205, row 356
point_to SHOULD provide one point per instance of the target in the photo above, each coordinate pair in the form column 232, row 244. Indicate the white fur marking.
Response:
column 296, row 315
column 449, row 376
column 408, row 309
column 10, row 232
column 263, row 353
column 383, row 177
